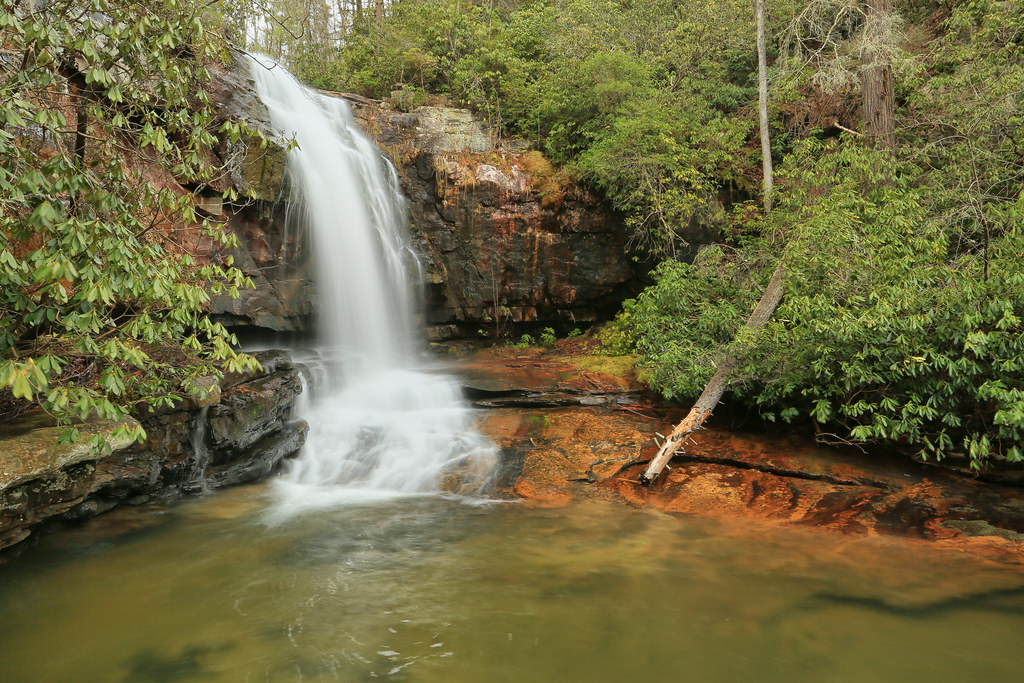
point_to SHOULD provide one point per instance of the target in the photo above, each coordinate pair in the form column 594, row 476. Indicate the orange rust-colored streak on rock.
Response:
column 546, row 496
column 896, row 498
column 567, row 449
column 574, row 454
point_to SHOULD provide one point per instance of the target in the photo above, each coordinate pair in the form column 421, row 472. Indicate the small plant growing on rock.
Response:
column 525, row 342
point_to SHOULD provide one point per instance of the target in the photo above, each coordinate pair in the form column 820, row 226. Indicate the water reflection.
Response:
column 433, row 590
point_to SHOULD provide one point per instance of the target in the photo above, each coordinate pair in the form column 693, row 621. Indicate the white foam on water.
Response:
column 383, row 424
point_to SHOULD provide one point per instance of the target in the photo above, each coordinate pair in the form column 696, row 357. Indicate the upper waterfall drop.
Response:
column 383, row 424
column 355, row 215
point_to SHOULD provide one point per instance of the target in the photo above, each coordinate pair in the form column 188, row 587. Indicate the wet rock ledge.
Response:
column 576, row 427
column 242, row 434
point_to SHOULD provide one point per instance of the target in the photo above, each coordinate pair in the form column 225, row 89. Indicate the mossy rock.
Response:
column 259, row 172
column 615, row 366
column 34, row 453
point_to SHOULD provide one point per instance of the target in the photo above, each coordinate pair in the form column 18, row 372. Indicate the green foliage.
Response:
column 525, row 342
column 901, row 319
column 886, row 332
column 663, row 163
column 965, row 123
column 97, row 316
column 547, row 338
column 616, row 338
column 648, row 101
column 681, row 321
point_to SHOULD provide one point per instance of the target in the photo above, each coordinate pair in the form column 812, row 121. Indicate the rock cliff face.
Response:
column 275, row 257
column 271, row 251
column 503, row 238
column 242, row 436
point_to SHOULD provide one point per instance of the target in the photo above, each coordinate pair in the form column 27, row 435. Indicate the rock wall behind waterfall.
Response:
column 505, row 246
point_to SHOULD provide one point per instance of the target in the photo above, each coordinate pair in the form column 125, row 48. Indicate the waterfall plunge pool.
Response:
column 431, row 589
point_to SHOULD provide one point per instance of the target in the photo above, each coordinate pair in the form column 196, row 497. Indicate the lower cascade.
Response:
column 383, row 423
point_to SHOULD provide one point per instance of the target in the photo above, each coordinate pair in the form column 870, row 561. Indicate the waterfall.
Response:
column 384, row 423
column 200, row 453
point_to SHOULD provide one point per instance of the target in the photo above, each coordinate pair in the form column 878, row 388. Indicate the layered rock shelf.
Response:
column 571, row 432
column 244, row 434
column 571, row 427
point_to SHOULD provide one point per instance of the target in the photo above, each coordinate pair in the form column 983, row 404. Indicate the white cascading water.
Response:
column 383, row 424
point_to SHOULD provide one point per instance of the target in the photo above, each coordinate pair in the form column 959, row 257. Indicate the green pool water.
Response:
column 427, row 589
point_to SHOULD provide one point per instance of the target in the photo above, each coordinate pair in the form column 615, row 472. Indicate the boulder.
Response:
column 245, row 417
column 35, row 453
column 447, row 129
column 41, row 478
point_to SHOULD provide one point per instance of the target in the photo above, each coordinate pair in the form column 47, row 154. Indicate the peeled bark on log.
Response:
column 715, row 389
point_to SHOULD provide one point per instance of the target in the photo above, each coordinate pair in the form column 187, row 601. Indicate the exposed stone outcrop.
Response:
column 276, row 259
column 256, row 171
column 270, row 251
column 506, row 239
column 561, row 449
column 241, row 438
column 438, row 130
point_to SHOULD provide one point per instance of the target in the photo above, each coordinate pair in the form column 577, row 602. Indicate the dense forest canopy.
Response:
column 897, row 132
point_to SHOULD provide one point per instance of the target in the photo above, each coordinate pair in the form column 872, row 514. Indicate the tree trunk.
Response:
column 876, row 76
column 342, row 15
column 714, row 389
column 81, row 128
column 80, row 103
column 762, row 106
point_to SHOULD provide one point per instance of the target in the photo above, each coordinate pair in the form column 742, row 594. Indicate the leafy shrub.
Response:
column 884, row 333
column 101, row 315
column 525, row 342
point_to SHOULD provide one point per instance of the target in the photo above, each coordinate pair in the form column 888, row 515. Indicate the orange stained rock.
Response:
column 581, row 453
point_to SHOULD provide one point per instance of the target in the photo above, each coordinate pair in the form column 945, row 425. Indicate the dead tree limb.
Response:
column 715, row 389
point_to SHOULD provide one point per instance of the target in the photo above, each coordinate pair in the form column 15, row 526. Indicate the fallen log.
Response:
column 715, row 388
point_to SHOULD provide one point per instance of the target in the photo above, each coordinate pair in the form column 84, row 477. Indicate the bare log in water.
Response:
column 715, row 389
